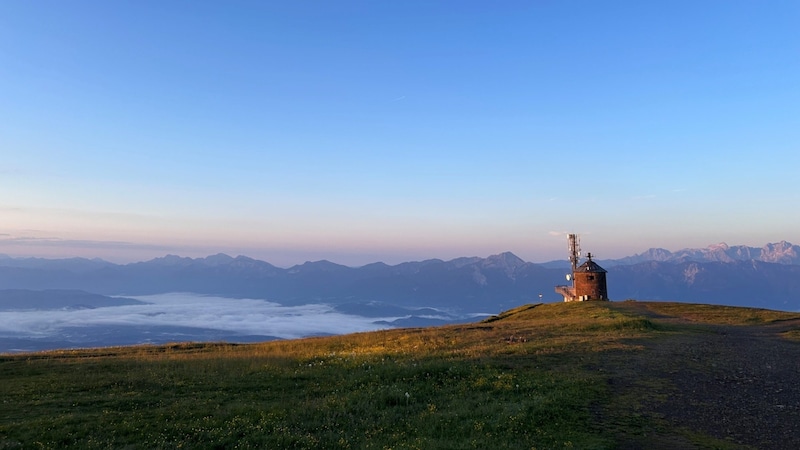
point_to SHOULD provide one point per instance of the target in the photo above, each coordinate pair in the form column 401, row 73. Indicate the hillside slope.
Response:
column 583, row 375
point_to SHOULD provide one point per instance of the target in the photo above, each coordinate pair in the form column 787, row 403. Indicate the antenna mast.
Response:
column 574, row 250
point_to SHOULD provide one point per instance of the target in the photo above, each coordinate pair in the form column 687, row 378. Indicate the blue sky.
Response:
column 393, row 131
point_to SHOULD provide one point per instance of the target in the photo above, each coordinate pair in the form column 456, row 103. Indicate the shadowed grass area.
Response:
column 527, row 378
column 715, row 314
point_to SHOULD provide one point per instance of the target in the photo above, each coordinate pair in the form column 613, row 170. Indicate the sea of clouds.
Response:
column 230, row 317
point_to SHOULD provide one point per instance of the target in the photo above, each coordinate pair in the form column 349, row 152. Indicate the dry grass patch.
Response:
column 721, row 315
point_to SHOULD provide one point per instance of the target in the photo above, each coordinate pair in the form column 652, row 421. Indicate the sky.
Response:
column 364, row 131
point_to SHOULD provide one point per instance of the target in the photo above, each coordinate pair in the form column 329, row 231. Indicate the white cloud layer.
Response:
column 240, row 316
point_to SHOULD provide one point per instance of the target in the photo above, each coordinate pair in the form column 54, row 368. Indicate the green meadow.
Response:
column 537, row 377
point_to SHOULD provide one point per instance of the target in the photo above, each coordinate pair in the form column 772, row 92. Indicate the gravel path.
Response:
column 739, row 384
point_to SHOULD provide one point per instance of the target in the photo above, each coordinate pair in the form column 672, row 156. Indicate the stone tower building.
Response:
column 590, row 281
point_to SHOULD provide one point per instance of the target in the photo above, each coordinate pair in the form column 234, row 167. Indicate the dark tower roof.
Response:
column 590, row 266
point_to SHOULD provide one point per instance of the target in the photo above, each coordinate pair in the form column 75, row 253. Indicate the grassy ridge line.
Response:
column 524, row 379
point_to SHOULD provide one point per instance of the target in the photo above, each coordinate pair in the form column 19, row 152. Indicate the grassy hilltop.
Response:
column 564, row 375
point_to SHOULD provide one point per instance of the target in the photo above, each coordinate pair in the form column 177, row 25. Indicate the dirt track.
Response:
column 739, row 384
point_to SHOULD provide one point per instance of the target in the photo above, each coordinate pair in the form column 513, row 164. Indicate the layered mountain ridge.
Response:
column 766, row 277
column 780, row 252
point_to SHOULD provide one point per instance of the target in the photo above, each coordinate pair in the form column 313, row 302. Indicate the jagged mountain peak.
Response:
column 169, row 260
column 317, row 266
column 505, row 260
column 465, row 261
column 779, row 246
column 218, row 259
column 782, row 252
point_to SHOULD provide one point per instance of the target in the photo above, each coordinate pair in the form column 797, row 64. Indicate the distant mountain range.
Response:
column 21, row 299
column 766, row 277
column 781, row 253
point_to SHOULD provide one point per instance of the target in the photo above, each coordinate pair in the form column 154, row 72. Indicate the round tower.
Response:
column 590, row 281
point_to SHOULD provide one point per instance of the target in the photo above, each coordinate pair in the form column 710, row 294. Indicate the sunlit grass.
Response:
column 793, row 335
column 524, row 379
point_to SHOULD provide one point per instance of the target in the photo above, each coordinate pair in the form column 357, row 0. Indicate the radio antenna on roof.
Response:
column 574, row 250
